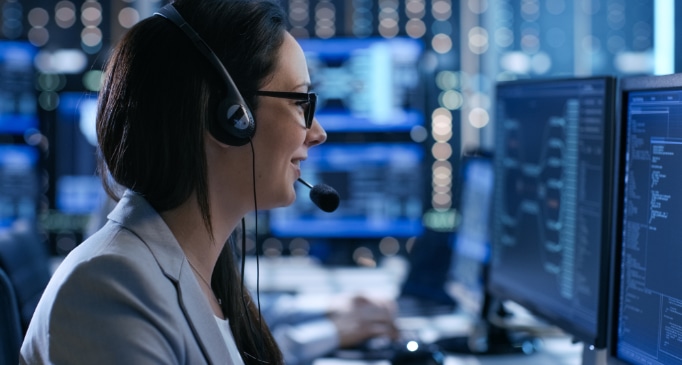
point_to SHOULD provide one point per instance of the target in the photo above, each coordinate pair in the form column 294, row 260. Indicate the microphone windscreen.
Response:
column 325, row 197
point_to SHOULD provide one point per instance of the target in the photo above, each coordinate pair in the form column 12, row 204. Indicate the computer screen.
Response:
column 471, row 241
column 78, row 189
column 366, row 85
column 18, row 96
column 445, row 268
column 551, row 221
column 19, row 183
column 647, row 307
column 380, row 187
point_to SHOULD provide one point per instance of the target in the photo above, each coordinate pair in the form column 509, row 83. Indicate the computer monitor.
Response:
column 442, row 264
column 471, row 241
column 647, row 294
column 78, row 189
column 18, row 96
column 380, row 186
column 20, row 183
column 551, row 226
column 368, row 84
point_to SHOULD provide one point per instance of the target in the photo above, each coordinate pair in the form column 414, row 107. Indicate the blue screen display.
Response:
column 19, row 183
column 473, row 235
column 649, row 304
column 18, row 102
column 366, row 85
column 78, row 187
column 471, row 241
column 380, row 187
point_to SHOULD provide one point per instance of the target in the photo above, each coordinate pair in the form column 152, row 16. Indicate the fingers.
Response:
column 364, row 318
column 374, row 306
column 357, row 333
column 381, row 329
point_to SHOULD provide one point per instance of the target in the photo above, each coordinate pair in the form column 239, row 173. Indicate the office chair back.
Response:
column 25, row 260
column 11, row 334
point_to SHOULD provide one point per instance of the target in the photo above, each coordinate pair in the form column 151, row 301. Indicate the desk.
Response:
column 316, row 282
column 556, row 351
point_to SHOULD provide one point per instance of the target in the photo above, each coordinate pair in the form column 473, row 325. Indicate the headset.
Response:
column 234, row 124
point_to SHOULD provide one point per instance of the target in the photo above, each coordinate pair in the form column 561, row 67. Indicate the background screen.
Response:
column 380, row 185
column 366, row 85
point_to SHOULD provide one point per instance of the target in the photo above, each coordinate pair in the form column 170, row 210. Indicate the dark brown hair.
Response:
column 158, row 98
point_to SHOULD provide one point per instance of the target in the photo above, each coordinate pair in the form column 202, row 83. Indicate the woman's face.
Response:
column 282, row 141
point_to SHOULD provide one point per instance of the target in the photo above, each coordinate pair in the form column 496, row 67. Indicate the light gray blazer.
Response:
column 127, row 295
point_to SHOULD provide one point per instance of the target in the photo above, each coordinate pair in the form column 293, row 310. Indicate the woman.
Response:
column 157, row 284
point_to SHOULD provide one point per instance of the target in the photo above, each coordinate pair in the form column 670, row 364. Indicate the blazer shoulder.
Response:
column 111, row 301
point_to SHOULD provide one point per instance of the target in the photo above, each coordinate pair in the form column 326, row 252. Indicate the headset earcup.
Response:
column 234, row 124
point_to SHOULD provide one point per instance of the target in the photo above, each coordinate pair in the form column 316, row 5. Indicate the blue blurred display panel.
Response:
column 19, row 183
column 366, row 85
column 473, row 237
column 471, row 242
column 380, row 185
column 18, row 103
column 78, row 187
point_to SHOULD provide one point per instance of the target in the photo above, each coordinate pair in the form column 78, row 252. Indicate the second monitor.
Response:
column 647, row 296
column 551, row 211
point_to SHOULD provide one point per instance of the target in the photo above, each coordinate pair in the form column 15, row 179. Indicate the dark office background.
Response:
column 468, row 46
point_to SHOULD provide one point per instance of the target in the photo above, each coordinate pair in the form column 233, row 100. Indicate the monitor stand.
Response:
column 488, row 338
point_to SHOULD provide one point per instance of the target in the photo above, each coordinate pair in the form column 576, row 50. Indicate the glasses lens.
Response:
column 310, row 110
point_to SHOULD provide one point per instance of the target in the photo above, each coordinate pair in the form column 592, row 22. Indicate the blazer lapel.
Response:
column 134, row 213
column 200, row 316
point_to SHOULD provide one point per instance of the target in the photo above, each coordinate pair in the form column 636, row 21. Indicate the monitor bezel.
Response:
column 626, row 86
column 598, row 339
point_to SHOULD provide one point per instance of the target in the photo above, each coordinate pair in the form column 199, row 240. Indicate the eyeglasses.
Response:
column 307, row 101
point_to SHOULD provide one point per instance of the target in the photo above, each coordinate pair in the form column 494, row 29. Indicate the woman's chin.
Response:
column 291, row 198
column 282, row 202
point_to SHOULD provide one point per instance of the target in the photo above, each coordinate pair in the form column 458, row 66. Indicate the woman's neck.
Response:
column 201, row 248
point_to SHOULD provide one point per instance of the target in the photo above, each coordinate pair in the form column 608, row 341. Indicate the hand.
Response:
column 359, row 318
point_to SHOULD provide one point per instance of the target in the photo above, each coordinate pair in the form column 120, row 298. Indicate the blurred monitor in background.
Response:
column 78, row 190
column 20, row 184
column 366, row 85
column 380, row 186
column 439, row 260
column 471, row 241
column 18, row 96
